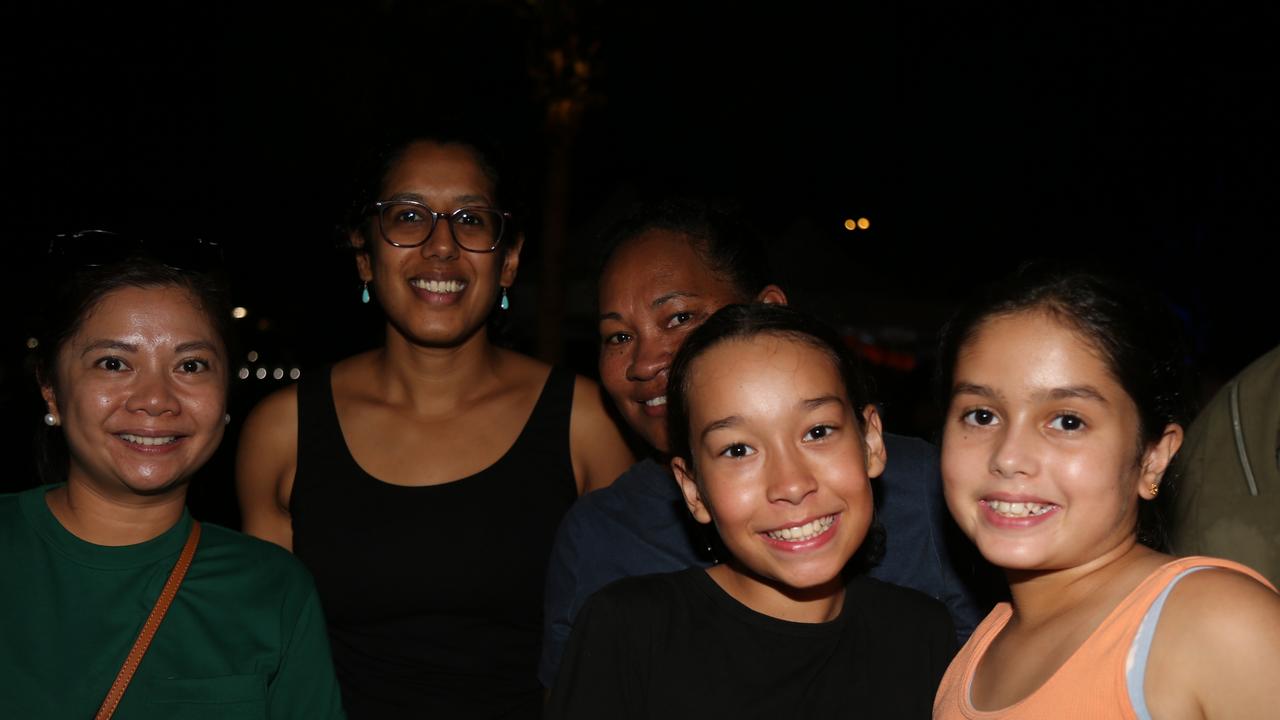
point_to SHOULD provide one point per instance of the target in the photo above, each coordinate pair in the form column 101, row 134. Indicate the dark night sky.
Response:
column 972, row 137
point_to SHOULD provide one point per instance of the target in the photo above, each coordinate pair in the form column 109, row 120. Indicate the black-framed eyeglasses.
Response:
column 408, row 224
column 96, row 248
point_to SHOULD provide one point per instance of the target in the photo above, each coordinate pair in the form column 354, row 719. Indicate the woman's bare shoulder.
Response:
column 265, row 463
column 1218, row 639
column 1221, row 597
column 275, row 414
column 596, row 444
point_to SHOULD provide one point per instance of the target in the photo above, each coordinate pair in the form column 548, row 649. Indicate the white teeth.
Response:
column 438, row 286
column 660, row 400
column 144, row 440
column 800, row 533
column 1018, row 509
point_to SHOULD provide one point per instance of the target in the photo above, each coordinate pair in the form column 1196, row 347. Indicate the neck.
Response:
column 818, row 604
column 1039, row 596
column 97, row 518
column 436, row 377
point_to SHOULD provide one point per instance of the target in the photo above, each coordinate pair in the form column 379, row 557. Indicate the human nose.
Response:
column 440, row 242
column 652, row 358
column 791, row 479
column 1014, row 452
column 153, row 393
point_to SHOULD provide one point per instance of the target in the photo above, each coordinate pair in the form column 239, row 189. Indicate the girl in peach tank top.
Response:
column 1104, row 677
column 1066, row 403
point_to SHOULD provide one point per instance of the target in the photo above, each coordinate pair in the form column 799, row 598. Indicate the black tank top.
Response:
column 433, row 594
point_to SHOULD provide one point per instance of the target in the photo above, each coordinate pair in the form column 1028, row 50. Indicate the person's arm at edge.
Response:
column 599, row 452
column 1217, row 647
column 265, row 463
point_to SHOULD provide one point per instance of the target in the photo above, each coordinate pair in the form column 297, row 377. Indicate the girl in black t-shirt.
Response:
column 773, row 445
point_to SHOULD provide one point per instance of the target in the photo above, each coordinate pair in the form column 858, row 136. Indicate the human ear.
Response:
column 692, row 495
column 1156, row 460
column 873, row 441
column 364, row 265
column 511, row 261
column 50, row 399
column 772, row 295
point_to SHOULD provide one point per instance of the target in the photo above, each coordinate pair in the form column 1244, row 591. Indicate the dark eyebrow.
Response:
column 658, row 302
column 720, row 424
column 108, row 345
column 675, row 295
column 967, row 388
column 407, row 196
column 193, row 345
column 818, row 402
column 1085, row 392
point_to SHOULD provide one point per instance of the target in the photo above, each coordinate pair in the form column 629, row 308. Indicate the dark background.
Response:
column 1141, row 137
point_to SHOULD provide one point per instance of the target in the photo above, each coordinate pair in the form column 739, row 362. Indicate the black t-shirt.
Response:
column 677, row 645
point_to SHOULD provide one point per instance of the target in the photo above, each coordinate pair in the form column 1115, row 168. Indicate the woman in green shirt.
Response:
column 134, row 379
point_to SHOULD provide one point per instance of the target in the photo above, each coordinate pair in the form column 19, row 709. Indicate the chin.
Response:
column 156, row 487
column 1013, row 556
column 814, row 574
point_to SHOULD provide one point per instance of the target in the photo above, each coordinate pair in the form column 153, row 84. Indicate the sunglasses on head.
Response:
column 97, row 248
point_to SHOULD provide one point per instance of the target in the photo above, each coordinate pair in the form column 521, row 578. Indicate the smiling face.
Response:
column 436, row 294
column 140, row 391
column 779, row 464
column 1040, row 451
column 654, row 291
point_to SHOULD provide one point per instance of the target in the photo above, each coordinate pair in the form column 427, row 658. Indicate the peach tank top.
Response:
column 1103, row 678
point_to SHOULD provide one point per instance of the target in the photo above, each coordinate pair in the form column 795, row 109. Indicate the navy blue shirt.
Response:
column 640, row 525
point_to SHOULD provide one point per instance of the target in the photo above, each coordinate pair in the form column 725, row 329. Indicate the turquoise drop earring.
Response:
column 364, row 293
column 505, row 304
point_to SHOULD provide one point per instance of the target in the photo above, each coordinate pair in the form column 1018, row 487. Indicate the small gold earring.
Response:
column 1155, row 489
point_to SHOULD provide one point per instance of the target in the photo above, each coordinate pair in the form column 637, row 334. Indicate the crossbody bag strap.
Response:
column 151, row 625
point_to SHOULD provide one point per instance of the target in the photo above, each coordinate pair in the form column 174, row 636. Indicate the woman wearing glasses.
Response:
column 422, row 482
column 133, row 373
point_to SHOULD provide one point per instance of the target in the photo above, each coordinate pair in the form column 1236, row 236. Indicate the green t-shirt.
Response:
column 244, row 638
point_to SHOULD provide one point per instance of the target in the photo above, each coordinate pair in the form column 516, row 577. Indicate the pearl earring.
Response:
column 51, row 420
